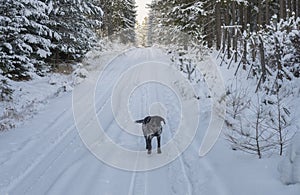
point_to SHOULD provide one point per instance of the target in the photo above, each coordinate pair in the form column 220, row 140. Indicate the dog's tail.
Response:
column 140, row 121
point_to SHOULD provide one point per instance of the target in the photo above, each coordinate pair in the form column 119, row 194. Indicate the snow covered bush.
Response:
column 5, row 90
column 258, row 122
column 289, row 168
column 186, row 59
column 280, row 49
column 79, row 74
column 246, row 123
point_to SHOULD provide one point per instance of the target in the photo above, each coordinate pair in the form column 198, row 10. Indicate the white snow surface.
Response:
column 290, row 166
column 45, row 155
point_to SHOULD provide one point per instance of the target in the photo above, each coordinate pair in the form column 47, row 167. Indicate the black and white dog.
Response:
column 152, row 127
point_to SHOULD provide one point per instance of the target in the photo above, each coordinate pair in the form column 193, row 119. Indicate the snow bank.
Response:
column 80, row 74
column 29, row 97
column 100, row 56
column 289, row 168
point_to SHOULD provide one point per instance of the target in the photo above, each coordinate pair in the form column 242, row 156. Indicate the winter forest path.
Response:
column 47, row 156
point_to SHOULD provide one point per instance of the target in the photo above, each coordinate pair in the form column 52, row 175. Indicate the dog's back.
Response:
column 155, row 119
column 151, row 125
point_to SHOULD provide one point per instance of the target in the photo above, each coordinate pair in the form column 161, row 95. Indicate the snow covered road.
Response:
column 47, row 155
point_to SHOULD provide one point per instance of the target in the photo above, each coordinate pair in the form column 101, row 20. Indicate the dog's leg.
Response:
column 147, row 146
column 149, row 139
column 158, row 144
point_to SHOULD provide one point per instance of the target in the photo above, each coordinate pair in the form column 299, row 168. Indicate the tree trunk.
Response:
column 257, row 133
column 218, row 25
column 245, row 19
column 289, row 8
column 267, row 16
column 245, row 52
column 224, row 32
column 228, row 36
column 233, row 10
column 228, row 43
column 262, row 59
column 260, row 16
column 241, row 17
column 297, row 8
column 279, row 122
column 282, row 9
column 235, row 31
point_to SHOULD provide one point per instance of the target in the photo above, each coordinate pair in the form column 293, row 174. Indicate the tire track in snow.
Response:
column 38, row 160
column 55, row 154
column 30, row 163
column 177, row 166
column 108, row 123
column 108, row 126
column 151, row 177
column 62, row 142
column 136, row 184
column 185, row 175
column 172, row 171
column 203, row 178
column 140, row 180
column 26, row 144
column 56, row 142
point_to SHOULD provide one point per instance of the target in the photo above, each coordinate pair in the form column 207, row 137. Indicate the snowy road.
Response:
column 47, row 156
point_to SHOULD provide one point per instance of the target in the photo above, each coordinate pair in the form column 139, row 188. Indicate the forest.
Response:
column 258, row 40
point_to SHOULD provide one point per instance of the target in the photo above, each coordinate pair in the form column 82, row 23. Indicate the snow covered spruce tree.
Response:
column 25, row 41
column 258, row 123
column 119, row 19
column 37, row 33
column 162, row 31
column 142, row 32
column 179, row 16
column 129, row 21
column 246, row 120
column 179, row 23
column 154, row 22
column 75, row 23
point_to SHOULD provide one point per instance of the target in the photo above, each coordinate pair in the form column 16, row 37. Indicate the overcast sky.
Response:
column 141, row 10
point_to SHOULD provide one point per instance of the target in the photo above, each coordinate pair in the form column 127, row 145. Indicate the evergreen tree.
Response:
column 160, row 22
column 178, row 16
column 24, row 40
column 76, row 23
column 142, row 32
column 119, row 19
column 129, row 20
column 36, row 32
